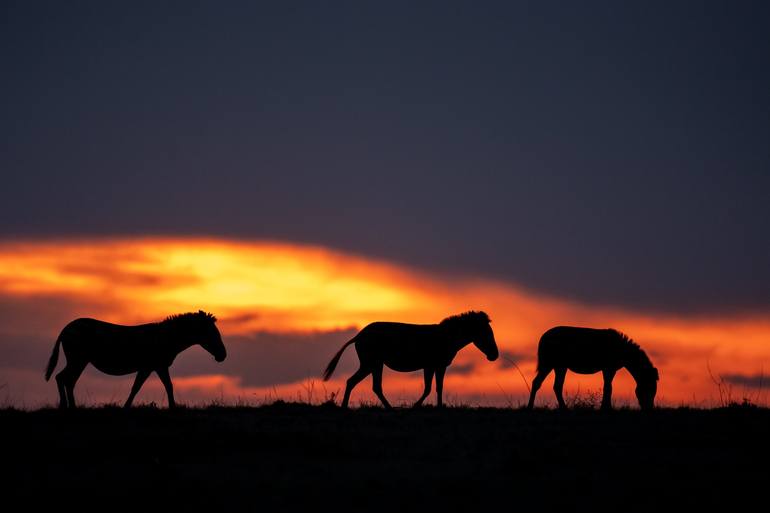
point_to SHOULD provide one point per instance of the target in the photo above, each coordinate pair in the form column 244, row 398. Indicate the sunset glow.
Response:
column 249, row 285
column 264, row 286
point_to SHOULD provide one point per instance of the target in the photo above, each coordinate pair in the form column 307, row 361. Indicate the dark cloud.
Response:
column 240, row 318
column 29, row 326
column 107, row 272
column 672, row 352
column 29, row 352
column 608, row 152
column 462, row 369
column 43, row 315
column 265, row 358
column 509, row 359
column 747, row 380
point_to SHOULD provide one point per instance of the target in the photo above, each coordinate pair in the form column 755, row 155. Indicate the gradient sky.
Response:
column 613, row 158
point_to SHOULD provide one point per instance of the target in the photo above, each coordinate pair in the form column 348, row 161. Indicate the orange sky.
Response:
column 265, row 286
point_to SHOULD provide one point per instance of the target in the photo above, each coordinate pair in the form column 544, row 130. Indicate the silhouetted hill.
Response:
column 293, row 457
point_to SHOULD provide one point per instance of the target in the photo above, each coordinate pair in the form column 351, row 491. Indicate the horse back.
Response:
column 88, row 330
column 582, row 350
column 112, row 348
column 391, row 334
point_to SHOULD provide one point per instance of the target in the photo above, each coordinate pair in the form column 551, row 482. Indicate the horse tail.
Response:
column 540, row 363
column 542, row 356
column 333, row 363
column 53, row 360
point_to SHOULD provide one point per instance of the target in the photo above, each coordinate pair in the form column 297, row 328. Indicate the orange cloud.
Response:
column 255, row 286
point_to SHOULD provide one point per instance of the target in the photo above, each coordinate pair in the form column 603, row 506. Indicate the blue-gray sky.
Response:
column 612, row 153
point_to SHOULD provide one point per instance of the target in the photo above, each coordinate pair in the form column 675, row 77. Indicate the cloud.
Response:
column 584, row 194
column 265, row 358
column 44, row 315
column 250, row 285
column 106, row 272
column 509, row 359
column 747, row 380
column 284, row 310
column 462, row 369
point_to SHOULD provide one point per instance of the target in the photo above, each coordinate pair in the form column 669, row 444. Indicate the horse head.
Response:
column 482, row 335
column 210, row 339
column 647, row 387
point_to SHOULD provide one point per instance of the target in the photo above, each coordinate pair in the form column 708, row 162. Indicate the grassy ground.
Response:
column 292, row 457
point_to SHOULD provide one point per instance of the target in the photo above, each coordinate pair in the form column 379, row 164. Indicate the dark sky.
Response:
column 604, row 152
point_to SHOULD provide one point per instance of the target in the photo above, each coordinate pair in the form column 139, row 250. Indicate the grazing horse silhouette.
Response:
column 410, row 347
column 587, row 351
column 119, row 350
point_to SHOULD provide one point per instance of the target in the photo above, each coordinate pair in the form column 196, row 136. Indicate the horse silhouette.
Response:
column 410, row 347
column 588, row 351
column 117, row 350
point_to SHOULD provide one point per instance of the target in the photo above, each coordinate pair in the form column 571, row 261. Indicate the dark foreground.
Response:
column 289, row 457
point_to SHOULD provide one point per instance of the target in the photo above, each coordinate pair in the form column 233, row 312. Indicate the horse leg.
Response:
column 440, row 386
column 377, row 385
column 558, row 386
column 426, row 392
column 60, row 378
column 609, row 375
column 166, row 380
column 141, row 376
column 536, row 384
column 353, row 380
column 66, row 380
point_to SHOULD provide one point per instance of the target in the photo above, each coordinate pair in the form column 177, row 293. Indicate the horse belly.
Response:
column 584, row 369
column 115, row 368
column 116, row 358
column 403, row 366
column 407, row 357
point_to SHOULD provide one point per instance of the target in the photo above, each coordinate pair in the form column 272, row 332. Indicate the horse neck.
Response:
column 635, row 363
column 176, row 341
column 457, row 342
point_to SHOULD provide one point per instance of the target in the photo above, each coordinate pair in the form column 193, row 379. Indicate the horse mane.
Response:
column 471, row 316
column 189, row 316
column 636, row 354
